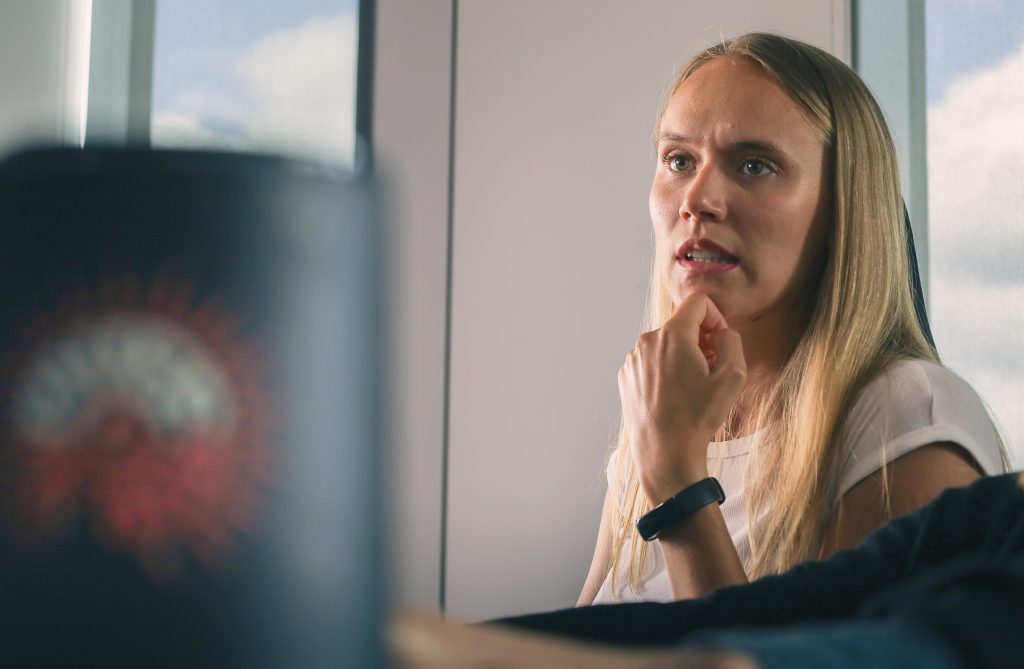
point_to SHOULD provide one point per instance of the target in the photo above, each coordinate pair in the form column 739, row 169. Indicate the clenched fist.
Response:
column 677, row 388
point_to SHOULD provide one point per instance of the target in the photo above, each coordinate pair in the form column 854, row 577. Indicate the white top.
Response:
column 913, row 404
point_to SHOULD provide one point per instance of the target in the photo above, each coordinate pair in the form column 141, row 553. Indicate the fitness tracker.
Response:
column 680, row 505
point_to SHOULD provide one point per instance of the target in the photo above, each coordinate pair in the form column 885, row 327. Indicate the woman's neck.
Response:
column 768, row 342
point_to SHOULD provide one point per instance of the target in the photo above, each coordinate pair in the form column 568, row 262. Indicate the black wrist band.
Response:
column 678, row 506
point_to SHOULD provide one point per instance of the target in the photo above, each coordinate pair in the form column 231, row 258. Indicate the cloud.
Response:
column 976, row 184
column 976, row 230
column 294, row 94
column 979, row 325
column 185, row 130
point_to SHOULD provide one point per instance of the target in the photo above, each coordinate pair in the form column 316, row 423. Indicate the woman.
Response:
column 784, row 356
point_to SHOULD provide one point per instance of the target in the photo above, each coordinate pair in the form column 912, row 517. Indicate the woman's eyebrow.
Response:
column 673, row 137
column 759, row 145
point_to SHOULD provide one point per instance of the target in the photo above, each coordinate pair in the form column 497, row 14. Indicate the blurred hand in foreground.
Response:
column 426, row 641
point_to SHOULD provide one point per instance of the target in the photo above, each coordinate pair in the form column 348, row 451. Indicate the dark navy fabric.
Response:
column 876, row 644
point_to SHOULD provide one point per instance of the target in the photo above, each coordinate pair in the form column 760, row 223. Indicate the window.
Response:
column 948, row 74
column 243, row 75
column 975, row 120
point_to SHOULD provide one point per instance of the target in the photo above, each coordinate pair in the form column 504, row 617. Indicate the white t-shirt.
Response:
column 913, row 404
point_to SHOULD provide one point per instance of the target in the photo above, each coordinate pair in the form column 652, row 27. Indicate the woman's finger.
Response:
column 696, row 314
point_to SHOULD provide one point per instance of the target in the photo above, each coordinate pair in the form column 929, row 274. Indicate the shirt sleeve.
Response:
column 913, row 404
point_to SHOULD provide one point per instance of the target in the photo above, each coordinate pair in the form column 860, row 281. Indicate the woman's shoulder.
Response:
column 922, row 387
column 914, row 403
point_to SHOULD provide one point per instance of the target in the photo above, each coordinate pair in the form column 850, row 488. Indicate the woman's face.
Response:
column 740, row 200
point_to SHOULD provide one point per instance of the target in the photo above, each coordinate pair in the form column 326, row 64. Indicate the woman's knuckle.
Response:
column 737, row 374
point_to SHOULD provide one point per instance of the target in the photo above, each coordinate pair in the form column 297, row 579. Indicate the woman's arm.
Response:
column 602, row 556
column 910, row 482
column 699, row 554
column 678, row 386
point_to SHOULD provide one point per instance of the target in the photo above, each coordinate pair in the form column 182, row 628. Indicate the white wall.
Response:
column 554, row 103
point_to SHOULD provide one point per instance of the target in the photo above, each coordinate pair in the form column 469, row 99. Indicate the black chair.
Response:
column 915, row 282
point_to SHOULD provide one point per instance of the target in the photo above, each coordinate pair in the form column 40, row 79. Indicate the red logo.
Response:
column 141, row 415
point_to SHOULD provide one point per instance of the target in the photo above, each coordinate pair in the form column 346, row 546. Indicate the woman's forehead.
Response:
column 731, row 99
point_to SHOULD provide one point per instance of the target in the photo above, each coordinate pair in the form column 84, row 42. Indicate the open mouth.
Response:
column 704, row 256
column 709, row 257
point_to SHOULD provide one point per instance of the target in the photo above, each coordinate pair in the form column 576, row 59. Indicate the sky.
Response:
column 969, row 35
column 975, row 61
column 257, row 74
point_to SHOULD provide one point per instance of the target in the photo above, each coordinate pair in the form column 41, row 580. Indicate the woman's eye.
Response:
column 756, row 167
column 678, row 163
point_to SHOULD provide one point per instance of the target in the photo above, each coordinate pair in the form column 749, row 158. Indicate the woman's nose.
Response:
column 704, row 196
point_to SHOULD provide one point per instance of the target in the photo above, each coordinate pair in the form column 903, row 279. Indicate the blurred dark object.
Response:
column 190, row 412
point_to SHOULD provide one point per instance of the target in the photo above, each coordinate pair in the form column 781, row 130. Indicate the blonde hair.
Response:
column 800, row 414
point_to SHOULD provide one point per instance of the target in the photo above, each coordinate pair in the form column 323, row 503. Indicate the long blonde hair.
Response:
column 862, row 319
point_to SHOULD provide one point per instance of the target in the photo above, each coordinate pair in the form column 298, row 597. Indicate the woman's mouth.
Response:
column 702, row 255
column 707, row 257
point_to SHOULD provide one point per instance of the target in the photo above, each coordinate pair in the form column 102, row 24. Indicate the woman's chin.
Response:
column 727, row 307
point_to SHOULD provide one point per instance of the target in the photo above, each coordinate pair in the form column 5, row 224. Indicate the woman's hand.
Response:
column 677, row 388
column 428, row 642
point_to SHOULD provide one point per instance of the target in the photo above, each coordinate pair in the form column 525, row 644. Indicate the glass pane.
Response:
column 257, row 75
column 975, row 65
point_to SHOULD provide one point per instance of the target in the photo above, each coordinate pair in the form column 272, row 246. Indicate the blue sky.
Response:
column 968, row 35
column 275, row 75
column 237, row 23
